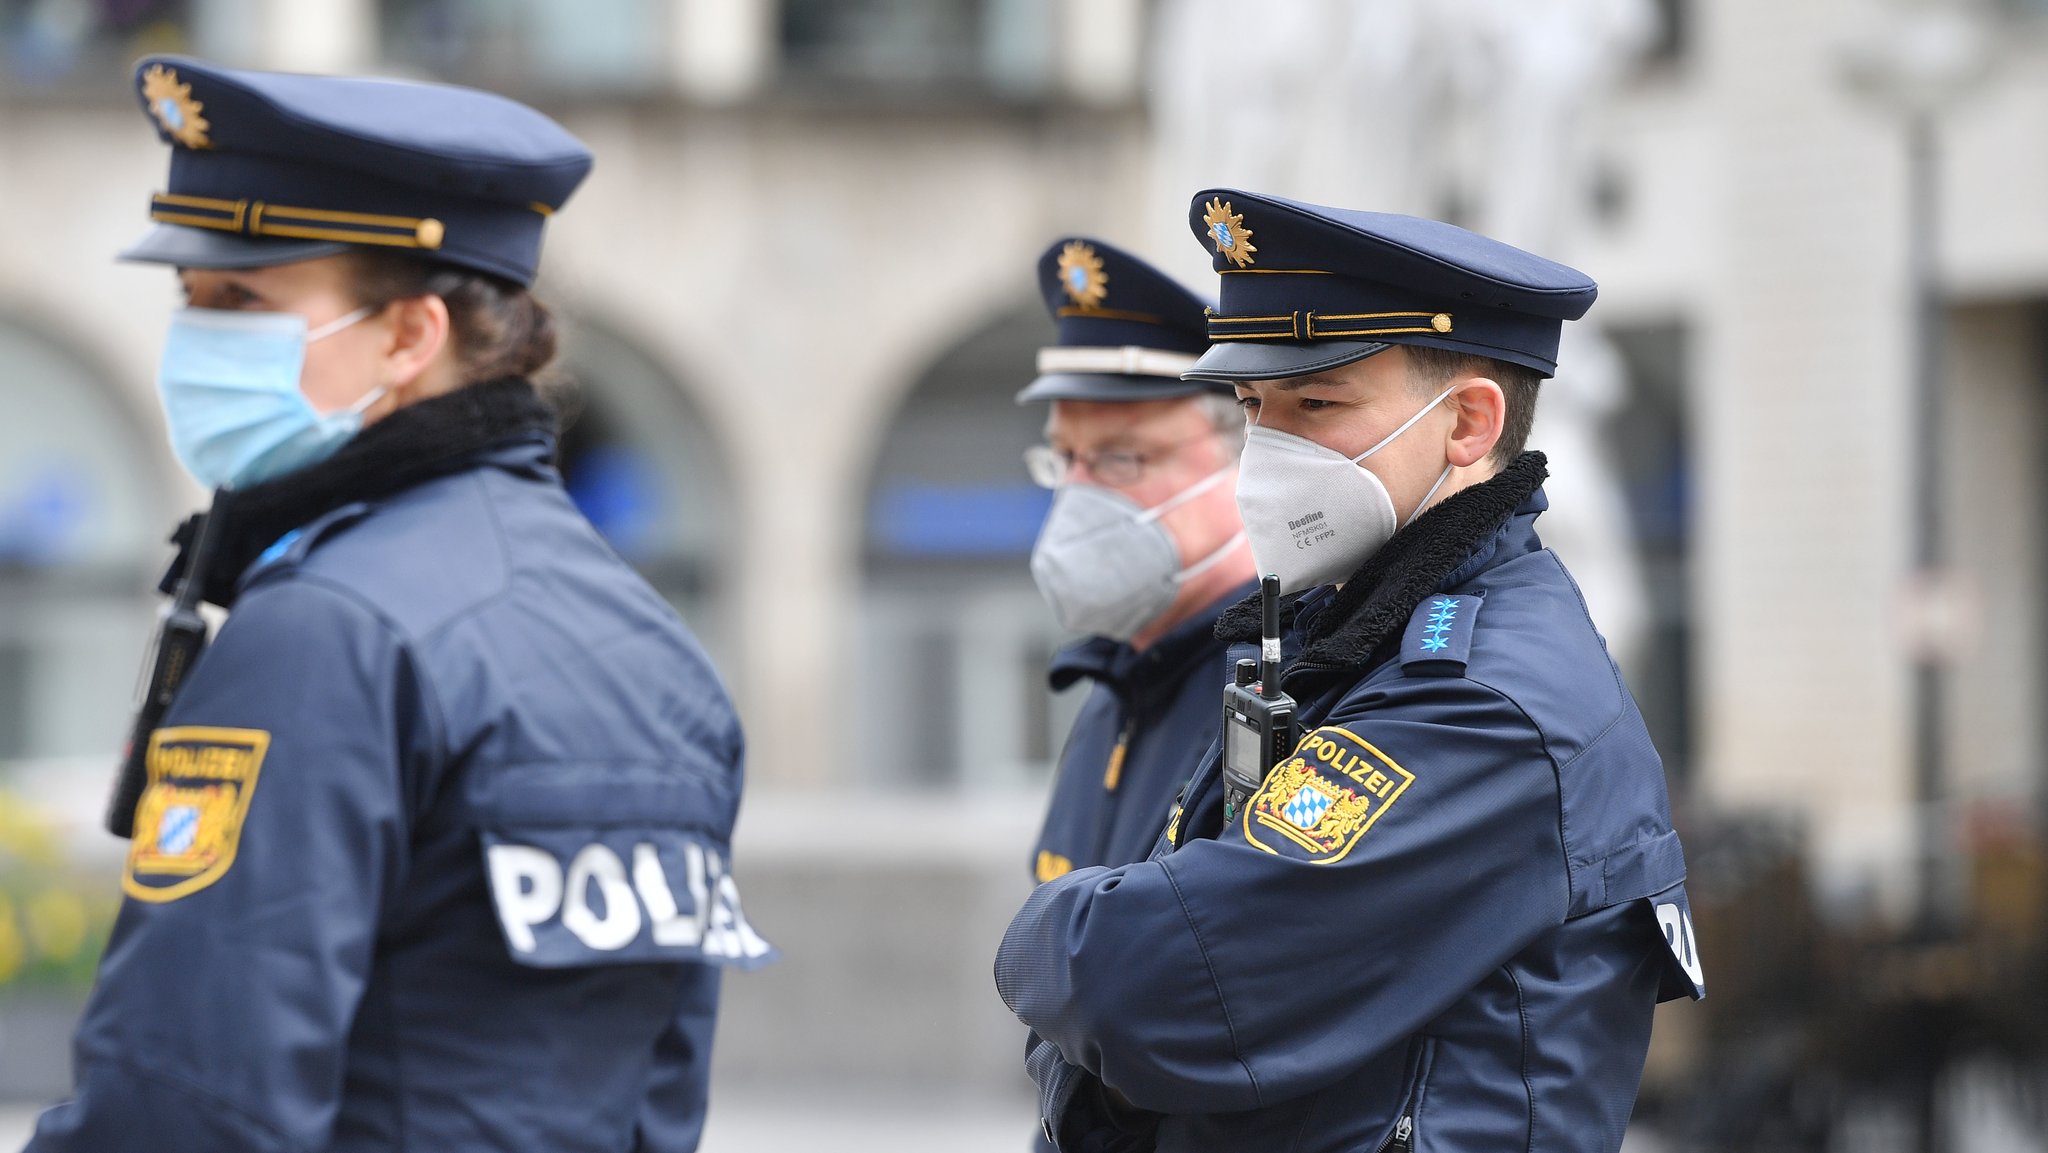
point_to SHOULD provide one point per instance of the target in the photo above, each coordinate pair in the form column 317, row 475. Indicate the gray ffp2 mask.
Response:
column 1108, row 567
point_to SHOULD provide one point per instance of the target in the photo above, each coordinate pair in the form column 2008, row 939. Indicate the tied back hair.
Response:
column 498, row 328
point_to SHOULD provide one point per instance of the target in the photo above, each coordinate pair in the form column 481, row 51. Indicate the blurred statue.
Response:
column 1268, row 99
column 1529, row 83
column 1483, row 112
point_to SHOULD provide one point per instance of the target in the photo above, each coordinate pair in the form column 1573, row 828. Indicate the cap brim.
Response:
column 1231, row 361
column 1111, row 386
column 184, row 247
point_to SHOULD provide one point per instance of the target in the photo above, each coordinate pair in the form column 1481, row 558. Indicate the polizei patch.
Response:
column 575, row 897
column 188, row 824
column 1320, row 802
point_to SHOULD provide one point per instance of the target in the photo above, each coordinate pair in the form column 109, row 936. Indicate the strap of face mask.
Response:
column 1424, row 506
column 1185, row 495
column 363, row 402
column 1406, row 425
column 339, row 323
column 1211, row 561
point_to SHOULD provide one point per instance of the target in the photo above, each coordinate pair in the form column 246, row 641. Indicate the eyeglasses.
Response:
column 1049, row 466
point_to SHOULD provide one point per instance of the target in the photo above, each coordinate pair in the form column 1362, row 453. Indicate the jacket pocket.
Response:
column 1401, row 1138
column 594, row 866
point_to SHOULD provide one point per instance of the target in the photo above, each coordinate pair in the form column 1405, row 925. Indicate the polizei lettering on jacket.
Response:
column 662, row 897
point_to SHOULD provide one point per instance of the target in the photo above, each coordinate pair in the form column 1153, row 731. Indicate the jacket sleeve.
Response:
column 672, row 1111
column 222, row 1010
column 1239, row 972
column 1076, row 1115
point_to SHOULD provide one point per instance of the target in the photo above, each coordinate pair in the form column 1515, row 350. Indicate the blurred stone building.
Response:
column 798, row 292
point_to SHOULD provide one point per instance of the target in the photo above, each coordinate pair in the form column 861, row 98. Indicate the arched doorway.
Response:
column 641, row 463
column 954, row 636
column 82, row 523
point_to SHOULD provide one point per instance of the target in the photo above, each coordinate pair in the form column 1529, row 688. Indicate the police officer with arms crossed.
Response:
column 1142, row 549
column 1443, row 921
column 432, row 852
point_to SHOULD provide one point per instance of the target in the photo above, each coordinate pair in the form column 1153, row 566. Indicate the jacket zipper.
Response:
column 1402, row 1139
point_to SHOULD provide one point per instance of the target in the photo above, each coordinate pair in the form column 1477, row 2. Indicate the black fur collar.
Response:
column 411, row 446
column 1374, row 605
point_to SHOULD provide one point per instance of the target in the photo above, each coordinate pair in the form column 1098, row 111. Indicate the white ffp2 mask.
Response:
column 1313, row 514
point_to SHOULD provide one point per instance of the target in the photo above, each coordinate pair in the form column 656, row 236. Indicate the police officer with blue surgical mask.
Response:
column 1443, row 916
column 430, row 848
column 1141, row 550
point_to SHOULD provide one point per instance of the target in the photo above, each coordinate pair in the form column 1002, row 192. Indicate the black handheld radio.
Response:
column 1258, row 719
column 181, row 636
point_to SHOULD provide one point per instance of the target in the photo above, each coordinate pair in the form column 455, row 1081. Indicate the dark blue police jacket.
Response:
column 434, row 852
column 1141, row 732
column 1441, row 925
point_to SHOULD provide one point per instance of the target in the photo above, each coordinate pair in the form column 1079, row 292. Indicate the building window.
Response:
column 81, row 43
column 1651, row 440
column 954, row 639
column 1000, row 47
column 525, row 45
column 640, row 463
column 82, row 523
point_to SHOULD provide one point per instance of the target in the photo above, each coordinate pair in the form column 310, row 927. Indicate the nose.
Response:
column 1268, row 417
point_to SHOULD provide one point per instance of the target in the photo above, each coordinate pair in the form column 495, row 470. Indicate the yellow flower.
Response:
column 57, row 923
column 11, row 949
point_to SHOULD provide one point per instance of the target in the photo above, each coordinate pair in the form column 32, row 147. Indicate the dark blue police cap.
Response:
column 269, row 168
column 1123, row 329
column 1308, row 288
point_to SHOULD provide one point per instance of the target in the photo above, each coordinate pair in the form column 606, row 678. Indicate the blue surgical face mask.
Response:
column 230, row 388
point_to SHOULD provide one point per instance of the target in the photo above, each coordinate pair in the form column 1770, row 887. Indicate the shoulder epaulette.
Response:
column 1439, row 636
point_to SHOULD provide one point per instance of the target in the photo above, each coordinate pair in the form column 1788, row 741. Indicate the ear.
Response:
column 1056, row 419
column 1481, row 410
column 419, row 341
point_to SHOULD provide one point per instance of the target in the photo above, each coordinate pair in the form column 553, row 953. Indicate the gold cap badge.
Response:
column 172, row 105
column 1082, row 275
column 1227, row 229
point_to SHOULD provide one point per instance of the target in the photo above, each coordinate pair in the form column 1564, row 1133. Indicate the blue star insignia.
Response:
column 1437, row 627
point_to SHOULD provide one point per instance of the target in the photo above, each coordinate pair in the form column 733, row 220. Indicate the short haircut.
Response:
column 1227, row 418
column 1223, row 412
column 1431, row 369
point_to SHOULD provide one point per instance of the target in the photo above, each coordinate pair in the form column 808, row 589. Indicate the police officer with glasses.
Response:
column 1442, row 922
column 1142, row 549
column 430, row 847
